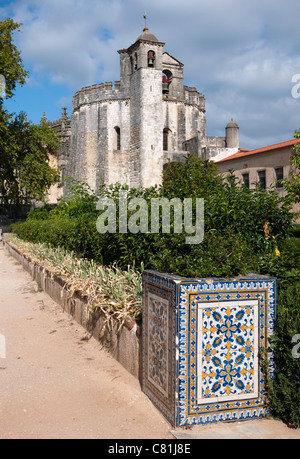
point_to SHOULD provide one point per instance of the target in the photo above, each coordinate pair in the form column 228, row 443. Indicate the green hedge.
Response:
column 59, row 233
column 284, row 390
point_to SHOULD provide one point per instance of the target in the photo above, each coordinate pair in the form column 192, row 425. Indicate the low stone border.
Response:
column 124, row 344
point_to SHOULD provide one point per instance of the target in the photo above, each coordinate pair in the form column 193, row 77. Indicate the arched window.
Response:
column 151, row 59
column 117, row 142
column 167, row 139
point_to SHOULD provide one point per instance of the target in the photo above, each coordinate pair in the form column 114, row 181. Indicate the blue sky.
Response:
column 241, row 55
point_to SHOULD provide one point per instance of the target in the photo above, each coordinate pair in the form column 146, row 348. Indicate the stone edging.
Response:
column 124, row 344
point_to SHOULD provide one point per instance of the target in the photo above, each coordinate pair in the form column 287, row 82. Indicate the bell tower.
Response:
column 141, row 74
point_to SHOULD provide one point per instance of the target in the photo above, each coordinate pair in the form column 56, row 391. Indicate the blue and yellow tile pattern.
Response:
column 201, row 344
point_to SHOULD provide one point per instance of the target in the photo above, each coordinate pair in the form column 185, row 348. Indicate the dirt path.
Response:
column 55, row 384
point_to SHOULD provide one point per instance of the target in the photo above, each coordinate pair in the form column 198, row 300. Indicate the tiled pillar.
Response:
column 201, row 343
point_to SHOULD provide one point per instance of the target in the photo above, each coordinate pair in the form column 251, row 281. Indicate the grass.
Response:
column 117, row 293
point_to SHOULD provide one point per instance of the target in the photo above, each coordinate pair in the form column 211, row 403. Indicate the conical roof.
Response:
column 232, row 124
column 147, row 36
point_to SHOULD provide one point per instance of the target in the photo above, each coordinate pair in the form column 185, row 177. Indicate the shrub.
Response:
column 58, row 233
column 284, row 390
column 257, row 215
column 41, row 213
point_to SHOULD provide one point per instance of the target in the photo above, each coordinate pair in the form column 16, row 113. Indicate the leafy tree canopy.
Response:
column 292, row 184
column 25, row 173
column 11, row 65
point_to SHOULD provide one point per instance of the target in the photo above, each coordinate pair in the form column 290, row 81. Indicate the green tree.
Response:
column 292, row 184
column 25, row 172
column 11, row 65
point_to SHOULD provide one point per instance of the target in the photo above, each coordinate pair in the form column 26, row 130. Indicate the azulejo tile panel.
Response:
column 159, row 342
column 201, row 346
column 227, row 351
column 157, row 337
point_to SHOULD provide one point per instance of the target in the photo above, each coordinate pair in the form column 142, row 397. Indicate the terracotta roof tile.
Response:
column 243, row 153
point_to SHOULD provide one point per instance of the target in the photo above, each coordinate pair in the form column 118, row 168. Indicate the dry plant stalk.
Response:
column 117, row 293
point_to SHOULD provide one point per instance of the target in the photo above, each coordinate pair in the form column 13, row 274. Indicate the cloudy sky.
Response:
column 241, row 54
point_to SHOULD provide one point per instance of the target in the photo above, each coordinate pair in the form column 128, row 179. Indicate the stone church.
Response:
column 125, row 132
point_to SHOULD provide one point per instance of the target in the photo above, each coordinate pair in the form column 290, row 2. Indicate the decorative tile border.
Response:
column 201, row 346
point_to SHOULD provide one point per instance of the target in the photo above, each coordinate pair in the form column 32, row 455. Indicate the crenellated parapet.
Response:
column 63, row 124
column 60, row 124
column 193, row 97
column 99, row 92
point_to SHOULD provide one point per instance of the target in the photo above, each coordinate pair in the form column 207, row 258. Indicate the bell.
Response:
column 165, row 87
column 150, row 62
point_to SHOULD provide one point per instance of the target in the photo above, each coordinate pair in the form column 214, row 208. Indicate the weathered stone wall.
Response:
column 60, row 158
column 151, row 134
column 118, row 160
column 135, row 129
column 98, row 110
column 75, row 166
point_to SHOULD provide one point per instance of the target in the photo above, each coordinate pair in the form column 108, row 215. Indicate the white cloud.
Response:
column 68, row 41
column 242, row 55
